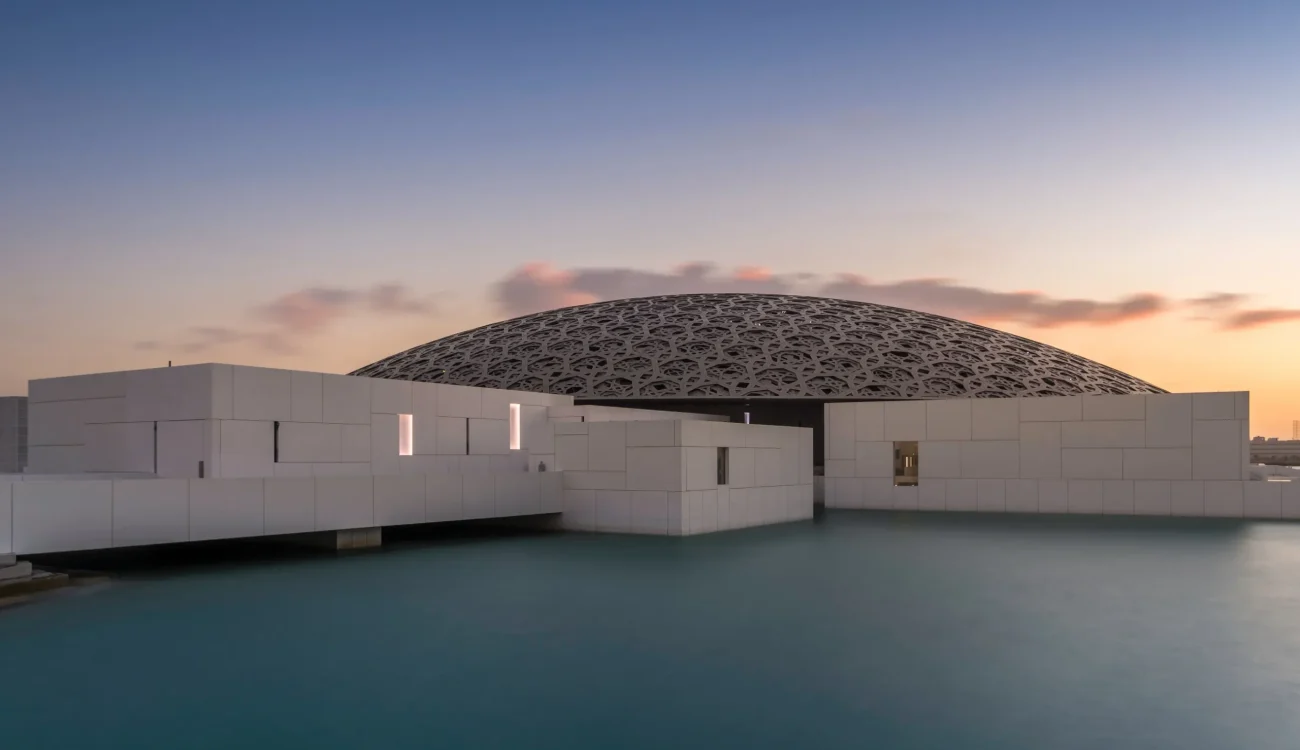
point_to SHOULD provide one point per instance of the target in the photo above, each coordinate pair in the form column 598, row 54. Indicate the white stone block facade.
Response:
column 1146, row 454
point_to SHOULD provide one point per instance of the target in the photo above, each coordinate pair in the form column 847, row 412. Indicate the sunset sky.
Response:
column 319, row 184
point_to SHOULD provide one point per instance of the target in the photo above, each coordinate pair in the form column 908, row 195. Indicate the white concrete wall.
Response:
column 59, row 515
column 224, row 416
column 660, row 477
column 1180, row 454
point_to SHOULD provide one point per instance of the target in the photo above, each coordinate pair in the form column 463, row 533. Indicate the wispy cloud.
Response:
column 289, row 318
column 536, row 287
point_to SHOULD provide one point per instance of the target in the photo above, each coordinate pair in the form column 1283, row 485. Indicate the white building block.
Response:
column 962, row 494
column 1151, row 498
column 579, row 510
column 479, row 496
column 991, row 495
column 742, row 470
column 877, row 494
column 391, row 396
column 459, row 401
column 704, row 516
column 310, row 442
column 932, row 494
column 1053, row 496
column 767, row 467
column 643, row 434
column 55, row 423
column 346, row 399
column 290, row 505
column 1040, row 450
column 649, row 512
column 103, row 410
column 806, row 442
column 1290, row 499
column 847, row 493
column 725, row 520
column 948, row 419
column 174, row 393
column 452, row 436
column 399, row 499
column 489, row 437
column 182, row 445
column 121, row 447
column 569, row 428
column 656, row 469
column 354, row 443
column 905, row 498
column 940, row 460
column 385, row 440
column 1241, row 400
column 76, row 387
column 1186, row 498
column 1169, row 420
column 535, row 430
column 345, row 503
column 443, row 497
column 1105, row 407
column 516, row 494
column 261, row 393
column 571, row 452
column 1092, row 463
column 995, row 419
column 1051, row 409
column 1214, row 405
column 1263, row 499
column 550, row 492
column 1118, row 497
column 1225, row 499
column 701, row 468
column 1086, row 496
column 226, row 508
column 1216, row 449
column 1103, row 434
column 150, row 511
column 612, row 511
column 306, row 396
column 699, row 434
column 339, row 469
column 1022, row 495
column 54, row 459
column 838, row 430
column 905, row 420
column 607, row 446
column 869, row 421
column 61, row 516
column 6, row 517
column 834, row 467
column 990, row 459
column 247, row 449
column 1158, row 463
column 874, row 460
column 594, row 480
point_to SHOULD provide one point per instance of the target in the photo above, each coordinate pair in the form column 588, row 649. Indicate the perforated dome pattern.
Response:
column 751, row 346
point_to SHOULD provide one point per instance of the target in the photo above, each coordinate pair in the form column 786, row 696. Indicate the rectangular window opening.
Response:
column 723, row 473
column 514, row 427
column 405, row 435
column 906, row 455
column 275, row 443
column 746, row 417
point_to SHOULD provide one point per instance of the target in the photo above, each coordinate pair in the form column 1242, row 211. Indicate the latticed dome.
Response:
column 751, row 346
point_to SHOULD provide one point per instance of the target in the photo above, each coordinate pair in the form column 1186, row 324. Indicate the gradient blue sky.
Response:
column 166, row 166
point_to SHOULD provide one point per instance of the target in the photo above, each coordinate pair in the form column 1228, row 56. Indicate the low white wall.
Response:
column 81, row 514
column 224, row 416
column 660, row 477
column 1158, row 454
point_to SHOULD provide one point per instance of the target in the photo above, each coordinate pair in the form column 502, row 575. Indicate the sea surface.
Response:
column 856, row 630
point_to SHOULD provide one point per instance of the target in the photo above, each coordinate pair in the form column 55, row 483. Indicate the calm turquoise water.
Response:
column 856, row 631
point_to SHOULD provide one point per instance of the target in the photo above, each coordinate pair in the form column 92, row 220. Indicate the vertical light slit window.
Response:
column 514, row 427
column 746, row 417
column 405, row 435
column 906, row 455
column 723, row 472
